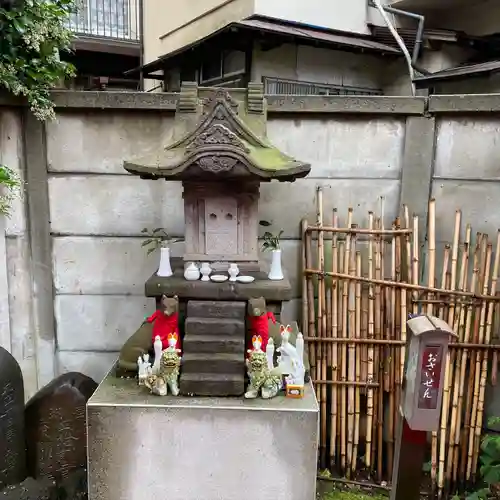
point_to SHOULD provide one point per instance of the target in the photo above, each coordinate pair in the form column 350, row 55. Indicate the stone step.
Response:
column 214, row 344
column 216, row 309
column 212, row 384
column 213, row 363
column 214, row 326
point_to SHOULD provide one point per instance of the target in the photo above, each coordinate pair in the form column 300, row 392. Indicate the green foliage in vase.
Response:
column 33, row 33
column 489, row 469
column 159, row 238
column 271, row 241
column 10, row 188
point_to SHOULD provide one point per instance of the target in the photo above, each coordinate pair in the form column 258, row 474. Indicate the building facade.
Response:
column 107, row 44
column 319, row 46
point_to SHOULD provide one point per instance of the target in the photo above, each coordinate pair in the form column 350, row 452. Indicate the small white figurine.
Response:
column 270, row 353
column 147, row 365
column 141, row 370
column 158, row 347
column 291, row 359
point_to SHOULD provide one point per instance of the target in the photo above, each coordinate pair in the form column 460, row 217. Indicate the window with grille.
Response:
column 107, row 18
column 279, row 86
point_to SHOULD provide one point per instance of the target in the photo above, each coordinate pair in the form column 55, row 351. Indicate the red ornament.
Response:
column 163, row 326
column 259, row 326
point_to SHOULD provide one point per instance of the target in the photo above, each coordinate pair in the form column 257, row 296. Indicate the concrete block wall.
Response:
column 73, row 259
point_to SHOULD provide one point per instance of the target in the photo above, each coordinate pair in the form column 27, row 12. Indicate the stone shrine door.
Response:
column 221, row 226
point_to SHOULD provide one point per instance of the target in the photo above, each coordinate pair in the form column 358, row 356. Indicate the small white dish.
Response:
column 219, row 278
column 245, row 279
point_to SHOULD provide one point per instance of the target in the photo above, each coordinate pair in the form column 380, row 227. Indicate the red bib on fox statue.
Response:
column 166, row 321
column 258, row 321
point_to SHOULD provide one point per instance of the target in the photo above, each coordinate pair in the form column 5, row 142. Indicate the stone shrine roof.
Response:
column 219, row 137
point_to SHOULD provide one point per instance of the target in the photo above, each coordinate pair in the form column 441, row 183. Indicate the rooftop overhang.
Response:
column 458, row 73
column 239, row 35
column 219, row 136
column 107, row 45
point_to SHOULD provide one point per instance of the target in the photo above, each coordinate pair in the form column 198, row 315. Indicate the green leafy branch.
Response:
column 271, row 241
column 489, row 469
column 10, row 188
column 34, row 32
column 159, row 239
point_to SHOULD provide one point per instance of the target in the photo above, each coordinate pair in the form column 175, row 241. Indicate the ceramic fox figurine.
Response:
column 258, row 320
column 287, row 351
column 166, row 320
column 263, row 380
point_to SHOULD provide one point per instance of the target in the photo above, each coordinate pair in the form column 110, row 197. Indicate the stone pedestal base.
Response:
column 143, row 446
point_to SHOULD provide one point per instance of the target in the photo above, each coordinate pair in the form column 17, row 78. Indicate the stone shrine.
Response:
column 221, row 155
column 212, row 439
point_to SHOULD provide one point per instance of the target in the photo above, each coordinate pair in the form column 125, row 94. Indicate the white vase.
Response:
column 165, row 269
column 205, row 271
column 276, row 273
column 233, row 271
column 192, row 273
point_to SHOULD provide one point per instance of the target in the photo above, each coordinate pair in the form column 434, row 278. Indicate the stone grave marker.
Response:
column 56, row 427
column 12, row 442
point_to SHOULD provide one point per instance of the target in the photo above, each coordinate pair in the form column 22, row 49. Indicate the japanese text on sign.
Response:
column 430, row 377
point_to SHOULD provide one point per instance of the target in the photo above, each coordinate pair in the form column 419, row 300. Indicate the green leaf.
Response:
column 145, row 243
column 145, row 230
column 264, row 223
column 157, row 230
column 491, row 474
column 150, row 251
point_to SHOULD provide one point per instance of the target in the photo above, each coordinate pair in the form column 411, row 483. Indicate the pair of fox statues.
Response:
column 154, row 353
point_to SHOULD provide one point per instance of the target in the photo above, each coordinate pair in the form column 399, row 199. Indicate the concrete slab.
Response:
column 142, row 446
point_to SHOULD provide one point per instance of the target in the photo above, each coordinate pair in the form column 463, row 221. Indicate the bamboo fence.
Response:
column 359, row 287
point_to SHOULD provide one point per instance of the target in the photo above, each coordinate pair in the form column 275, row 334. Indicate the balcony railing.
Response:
column 116, row 19
column 280, row 86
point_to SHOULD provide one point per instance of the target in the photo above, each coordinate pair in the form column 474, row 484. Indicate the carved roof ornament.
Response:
column 219, row 96
column 218, row 135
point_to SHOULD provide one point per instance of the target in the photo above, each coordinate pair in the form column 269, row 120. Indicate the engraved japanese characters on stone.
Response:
column 56, row 427
column 12, row 440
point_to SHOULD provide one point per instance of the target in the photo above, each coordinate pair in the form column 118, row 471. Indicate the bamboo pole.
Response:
column 379, row 365
column 311, row 321
column 449, row 358
column 335, row 333
column 357, row 349
column 471, row 315
column 320, row 349
column 478, row 368
column 461, row 450
column 371, row 332
column 484, row 362
column 351, row 356
column 391, row 333
column 343, row 363
column 442, row 313
column 397, row 335
column 458, row 324
column 430, row 311
column 465, row 320
column 358, row 230
column 407, row 286
column 305, row 302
